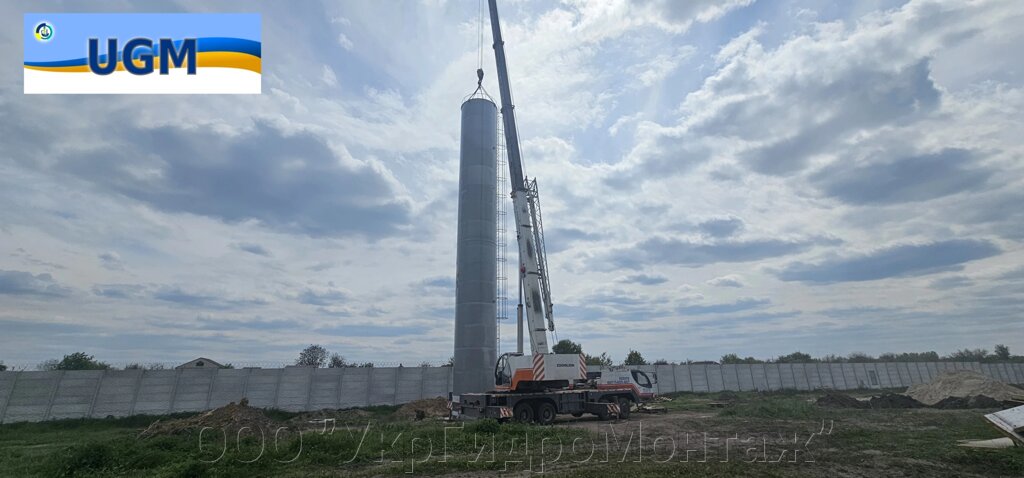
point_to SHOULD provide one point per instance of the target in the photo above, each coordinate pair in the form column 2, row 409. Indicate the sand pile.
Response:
column 230, row 418
column 421, row 409
column 962, row 383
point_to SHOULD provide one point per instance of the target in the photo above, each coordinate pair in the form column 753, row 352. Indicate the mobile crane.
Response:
column 539, row 386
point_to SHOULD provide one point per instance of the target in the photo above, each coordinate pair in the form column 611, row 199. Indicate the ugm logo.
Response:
column 103, row 53
column 142, row 49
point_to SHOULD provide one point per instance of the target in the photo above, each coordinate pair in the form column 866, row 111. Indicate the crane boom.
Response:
column 529, row 234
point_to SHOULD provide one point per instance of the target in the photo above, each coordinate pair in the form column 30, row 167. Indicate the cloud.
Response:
column 644, row 279
column 324, row 297
column 251, row 248
column 739, row 305
column 292, row 182
column 202, row 300
column 118, row 291
column 345, row 42
column 726, row 281
column 328, row 76
column 951, row 282
column 895, row 261
column 111, row 260
column 718, row 228
column 907, row 179
column 661, row 250
column 26, row 284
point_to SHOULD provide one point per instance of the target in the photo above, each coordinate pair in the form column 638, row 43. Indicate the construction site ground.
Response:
column 728, row 434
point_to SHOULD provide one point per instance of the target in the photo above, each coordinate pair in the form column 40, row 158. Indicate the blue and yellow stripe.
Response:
column 211, row 52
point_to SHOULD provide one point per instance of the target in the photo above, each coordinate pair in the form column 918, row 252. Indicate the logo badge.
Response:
column 44, row 32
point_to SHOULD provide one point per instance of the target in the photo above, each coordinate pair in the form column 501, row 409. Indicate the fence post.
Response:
column 10, row 393
column 96, row 393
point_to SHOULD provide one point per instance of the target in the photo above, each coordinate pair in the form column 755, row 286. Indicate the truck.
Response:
column 539, row 386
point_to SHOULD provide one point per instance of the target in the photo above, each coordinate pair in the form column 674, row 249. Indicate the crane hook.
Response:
column 480, row 77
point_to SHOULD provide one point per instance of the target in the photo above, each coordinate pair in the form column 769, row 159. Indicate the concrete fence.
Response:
column 814, row 376
column 37, row 396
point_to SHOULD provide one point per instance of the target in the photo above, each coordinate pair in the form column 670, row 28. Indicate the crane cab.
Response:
column 537, row 372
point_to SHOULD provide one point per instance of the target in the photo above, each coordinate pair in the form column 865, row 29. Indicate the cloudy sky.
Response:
column 742, row 176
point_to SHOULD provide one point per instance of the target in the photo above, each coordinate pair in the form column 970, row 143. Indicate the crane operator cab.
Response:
column 517, row 372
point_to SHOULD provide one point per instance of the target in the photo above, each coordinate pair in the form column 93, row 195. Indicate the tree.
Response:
column 337, row 361
column 367, row 365
column 1002, row 353
column 968, row 355
column 312, row 356
column 730, row 358
column 661, row 361
column 3, row 368
column 795, row 357
column 735, row 359
column 603, row 359
column 566, row 346
column 228, row 365
column 634, row 358
column 75, row 361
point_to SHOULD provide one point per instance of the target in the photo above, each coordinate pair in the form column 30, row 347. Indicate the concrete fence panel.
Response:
column 716, row 382
column 666, row 378
column 75, row 394
column 700, row 378
column 37, row 396
column 355, row 389
column 117, row 394
column 228, row 386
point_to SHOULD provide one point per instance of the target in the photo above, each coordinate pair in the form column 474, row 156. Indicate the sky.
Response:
column 717, row 177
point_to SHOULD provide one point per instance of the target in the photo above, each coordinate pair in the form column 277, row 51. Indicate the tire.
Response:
column 523, row 413
column 624, row 408
column 545, row 413
column 603, row 413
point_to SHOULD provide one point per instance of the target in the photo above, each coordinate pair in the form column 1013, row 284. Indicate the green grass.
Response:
column 863, row 442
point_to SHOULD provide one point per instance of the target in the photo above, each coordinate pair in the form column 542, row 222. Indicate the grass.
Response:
column 863, row 442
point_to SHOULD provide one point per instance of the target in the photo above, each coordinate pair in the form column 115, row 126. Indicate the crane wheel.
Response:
column 624, row 408
column 546, row 413
column 523, row 413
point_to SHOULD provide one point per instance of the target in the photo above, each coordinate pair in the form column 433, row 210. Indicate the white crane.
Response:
column 542, row 369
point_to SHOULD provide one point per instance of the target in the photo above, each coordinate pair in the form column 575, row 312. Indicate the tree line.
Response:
column 1001, row 353
column 317, row 356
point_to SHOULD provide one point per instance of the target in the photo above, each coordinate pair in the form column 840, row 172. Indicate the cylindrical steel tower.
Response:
column 475, row 269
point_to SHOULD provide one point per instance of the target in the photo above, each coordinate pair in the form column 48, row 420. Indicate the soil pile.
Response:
column 975, row 401
column 324, row 418
column 839, row 400
column 962, row 383
column 894, row 400
column 230, row 418
column 421, row 409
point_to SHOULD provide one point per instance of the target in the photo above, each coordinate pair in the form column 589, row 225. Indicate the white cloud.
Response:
column 328, row 76
column 345, row 42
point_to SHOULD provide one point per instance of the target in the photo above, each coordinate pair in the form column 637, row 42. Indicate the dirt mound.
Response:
column 975, row 401
column 317, row 418
column 962, row 383
column 894, row 400
column 421, row 409
column 839, row 400
column 230, row 418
